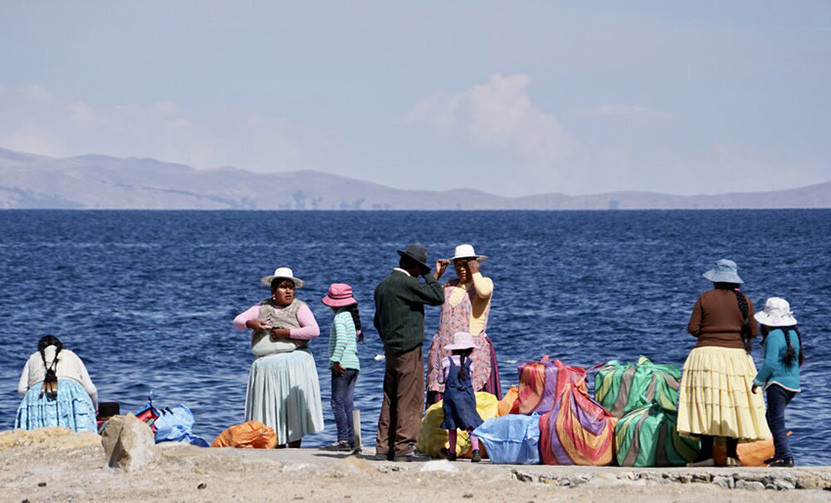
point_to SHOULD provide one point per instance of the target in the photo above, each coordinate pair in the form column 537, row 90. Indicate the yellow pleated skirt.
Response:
column 716, row 398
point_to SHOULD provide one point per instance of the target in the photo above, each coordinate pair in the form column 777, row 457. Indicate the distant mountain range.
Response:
column 101, row 182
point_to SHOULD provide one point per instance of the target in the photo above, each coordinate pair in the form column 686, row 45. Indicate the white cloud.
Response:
column 496, row 113
column 538, row 154
column 36, row 120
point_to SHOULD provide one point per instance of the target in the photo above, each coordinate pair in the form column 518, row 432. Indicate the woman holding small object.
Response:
column 283, row 388
column 467, row 302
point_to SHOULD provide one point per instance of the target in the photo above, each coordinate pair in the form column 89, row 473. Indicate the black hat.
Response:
column 417, row 253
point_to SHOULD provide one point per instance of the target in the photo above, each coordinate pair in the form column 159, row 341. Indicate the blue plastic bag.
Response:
column 175, row 425
column 512, row 439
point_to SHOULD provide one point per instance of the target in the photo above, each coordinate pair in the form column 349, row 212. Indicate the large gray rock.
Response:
column 128, row 443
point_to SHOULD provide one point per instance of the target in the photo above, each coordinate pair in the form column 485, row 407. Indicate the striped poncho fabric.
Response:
column 624, row 387
column 648, row 437
column 644, row 396
column 537, row 387
column 578, row 430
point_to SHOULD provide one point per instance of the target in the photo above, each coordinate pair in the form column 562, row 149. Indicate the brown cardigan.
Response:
column 717, row 320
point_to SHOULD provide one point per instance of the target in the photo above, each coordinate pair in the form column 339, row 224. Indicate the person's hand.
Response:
column 473, row 266
column 280, row 333
column 441, row 266
column 257, row 325
column 755, row 389
column 338, row 369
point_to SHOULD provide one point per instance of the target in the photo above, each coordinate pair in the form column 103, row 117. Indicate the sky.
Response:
column 512, row 98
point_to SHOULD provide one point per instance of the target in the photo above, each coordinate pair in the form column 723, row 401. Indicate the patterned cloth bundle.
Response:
column 578, row 430
column 644, row 396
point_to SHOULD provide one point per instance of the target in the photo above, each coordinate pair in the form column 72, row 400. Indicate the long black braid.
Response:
column 45, row 342
column 790, row 354
column 747, row 333
column 463, row 354
column 50, row 380
column 356, row 318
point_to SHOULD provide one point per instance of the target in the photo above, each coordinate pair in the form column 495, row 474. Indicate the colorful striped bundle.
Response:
column 537, row 383
column 647, row 437
column 622, row 388
column 578, row 430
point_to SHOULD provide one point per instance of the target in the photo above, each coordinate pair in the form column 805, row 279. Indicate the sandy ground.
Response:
column 71, row 468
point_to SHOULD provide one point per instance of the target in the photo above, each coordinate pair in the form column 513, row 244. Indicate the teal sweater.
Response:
column 774, row 370
column 343, row 341
column 399, row 309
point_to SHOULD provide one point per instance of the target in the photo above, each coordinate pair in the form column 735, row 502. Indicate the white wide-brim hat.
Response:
column 777, row 313
column 282, row 272
column 466, row 251
column 725, row 271
column 462, row 340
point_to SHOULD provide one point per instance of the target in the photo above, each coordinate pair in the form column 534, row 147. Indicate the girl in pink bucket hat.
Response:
column 343, row 361
column 459, row 401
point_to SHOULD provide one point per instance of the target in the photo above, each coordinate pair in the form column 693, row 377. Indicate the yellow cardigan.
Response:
column 481, row 301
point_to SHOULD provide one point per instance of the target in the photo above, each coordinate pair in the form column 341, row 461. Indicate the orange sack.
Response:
column 509, row 403
column 250, row 435
column 750, row 453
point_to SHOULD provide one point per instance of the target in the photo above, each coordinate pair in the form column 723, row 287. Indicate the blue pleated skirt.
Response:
column 72, row 409
column 284, row 393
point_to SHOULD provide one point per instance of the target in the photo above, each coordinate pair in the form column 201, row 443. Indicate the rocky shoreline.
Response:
column 56, row 465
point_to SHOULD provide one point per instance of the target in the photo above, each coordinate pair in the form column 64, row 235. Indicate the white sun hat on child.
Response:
column 777, row 313
column 462, row 340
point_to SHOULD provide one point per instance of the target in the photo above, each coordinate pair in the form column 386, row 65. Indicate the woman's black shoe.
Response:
column 782, row 463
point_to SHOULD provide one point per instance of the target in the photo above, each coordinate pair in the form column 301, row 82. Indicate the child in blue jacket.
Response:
column 779, row 375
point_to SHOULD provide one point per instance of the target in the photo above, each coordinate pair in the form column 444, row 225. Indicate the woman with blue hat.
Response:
column 716, row 398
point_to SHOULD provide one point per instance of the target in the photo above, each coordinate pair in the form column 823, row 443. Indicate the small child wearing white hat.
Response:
column 779, row 375
column 459, row 401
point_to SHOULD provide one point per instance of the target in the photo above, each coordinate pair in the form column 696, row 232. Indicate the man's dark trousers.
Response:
column 400, row 419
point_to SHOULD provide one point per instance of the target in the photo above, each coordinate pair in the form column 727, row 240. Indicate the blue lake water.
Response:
column 147, row 298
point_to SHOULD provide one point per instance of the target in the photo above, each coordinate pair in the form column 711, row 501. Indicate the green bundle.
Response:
column 624, row 387
column 647, row 437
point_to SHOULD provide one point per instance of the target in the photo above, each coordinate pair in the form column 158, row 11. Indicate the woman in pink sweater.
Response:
column 283, row 388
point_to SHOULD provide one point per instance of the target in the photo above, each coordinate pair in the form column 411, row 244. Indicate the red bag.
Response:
column 149, row 414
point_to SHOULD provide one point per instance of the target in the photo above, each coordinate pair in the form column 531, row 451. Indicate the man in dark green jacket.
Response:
column 399, row 319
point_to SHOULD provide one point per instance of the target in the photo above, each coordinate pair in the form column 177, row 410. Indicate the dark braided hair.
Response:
column 356, row 318
column 463, row 354
column 747, row 333
column 790, row 354
column 50, row 379
column 45, row 342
